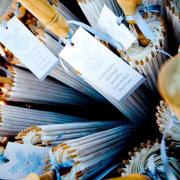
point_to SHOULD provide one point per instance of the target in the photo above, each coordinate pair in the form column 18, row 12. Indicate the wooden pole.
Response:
column 48, row 16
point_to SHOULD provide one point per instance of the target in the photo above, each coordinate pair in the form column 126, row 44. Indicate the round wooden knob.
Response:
column 169, row 83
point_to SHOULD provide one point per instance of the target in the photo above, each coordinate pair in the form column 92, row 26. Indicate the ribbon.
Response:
column 147, row 32
column 3, row 159
column 4, row 24
column 152, row 169
column 58, row 167
column 151, row 9
column 142, row 25
column 16, row 13
column 140, row 21
column 153, row 173
column 168, row 171
column 164, row 52
column 151, row 166
column 98, row 34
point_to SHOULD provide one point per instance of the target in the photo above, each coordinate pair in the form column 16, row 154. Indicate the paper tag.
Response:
column 99, row 66
column 23, row 159
column 144, row 27
column 108, row 24
column 27, row 48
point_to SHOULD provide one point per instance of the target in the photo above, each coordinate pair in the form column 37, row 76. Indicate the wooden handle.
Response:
column 48, row 16
column 129, row 6
column 47, row 176
column 169, row 84
column 132, row 177
column 32, row 177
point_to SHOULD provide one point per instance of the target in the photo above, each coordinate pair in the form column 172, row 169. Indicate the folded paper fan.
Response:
column 91, row 153
column 146, row 55
column 173, row 15
column 135, row 107
column 54, row 134
column 141, row 162
column 20, row 85
column 52, row 42
column 164, row 115
column 14, row 119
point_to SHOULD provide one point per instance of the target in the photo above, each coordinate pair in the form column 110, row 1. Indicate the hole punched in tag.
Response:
column 4, row 24
column 3, row 21
column 67, row 40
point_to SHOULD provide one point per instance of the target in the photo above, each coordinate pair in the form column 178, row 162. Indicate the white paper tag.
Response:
column 99, row 66
column 23, row 160
column 108, row 24
column 27, row 48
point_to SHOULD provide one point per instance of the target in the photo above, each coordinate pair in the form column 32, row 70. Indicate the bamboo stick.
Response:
column 52, row 20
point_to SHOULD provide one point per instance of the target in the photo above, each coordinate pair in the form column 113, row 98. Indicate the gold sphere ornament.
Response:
column 169, row 83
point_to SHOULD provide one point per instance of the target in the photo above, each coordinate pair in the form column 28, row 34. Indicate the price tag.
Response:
column 23, row 160
column 99, row 66
column 108, row 23
column 27, row 48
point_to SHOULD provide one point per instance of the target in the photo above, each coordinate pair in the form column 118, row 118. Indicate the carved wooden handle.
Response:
column 169, row 83
column 48, row 16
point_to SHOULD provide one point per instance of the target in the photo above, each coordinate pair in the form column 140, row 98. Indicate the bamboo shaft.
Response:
column 48, row 16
